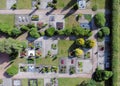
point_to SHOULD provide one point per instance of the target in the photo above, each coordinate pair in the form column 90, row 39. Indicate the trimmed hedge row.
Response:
column 115, row 42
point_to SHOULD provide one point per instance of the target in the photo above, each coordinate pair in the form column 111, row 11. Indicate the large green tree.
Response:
column 99, row 20
column 50, row 31
column 34, row 33
column 101, row 75
column 10, row 45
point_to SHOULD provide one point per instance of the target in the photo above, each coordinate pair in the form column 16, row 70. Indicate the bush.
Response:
column 67, row 32
column 15, row 32
column 88, row 17
column 105, row 31
column 78, row 52
column 42, row 33
column 50, row 31
column 13, row 70
column 102, row 75
column 14, row 6
column 99, row 20
column 54, row 1
column 80, row 41
column 31, row 25
column 88, row 83
column 35, row 18
column 90, row 43
column 34, row 33
column 100, row 34
column 94, row 8
column 24, row 28
column 60, row 32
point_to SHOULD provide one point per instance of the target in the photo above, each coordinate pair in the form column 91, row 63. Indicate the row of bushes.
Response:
column 115, row 42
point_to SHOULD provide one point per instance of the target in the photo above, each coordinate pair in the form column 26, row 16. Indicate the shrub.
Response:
column 99, row 20
column 54, row 1
column 34, row 33
column 78, row 52
column 94, row 8
column 15, row 32
column 67, row 32
column 105, row 31
column 42, row 33
column 88, row 83
column 80, row 41
column 35, row 18
column 50, row 31
column 24, row 28
column 100, row 34
column 90, row 43
column 102, row 75
column 31, row 25
column 14, row 6
column 88, row 16
column 13, row 70
column 60, row 32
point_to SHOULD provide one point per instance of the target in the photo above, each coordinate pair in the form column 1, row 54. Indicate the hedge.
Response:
column 13, row 70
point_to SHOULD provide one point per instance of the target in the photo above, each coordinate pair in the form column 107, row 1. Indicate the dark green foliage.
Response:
column 15, row 32
column 102, row 75
column 10, row 45
column 100, row 34
column 50, row 31
column 42, row 33
column 94, row 8
column 34, row 33
column 31, row 26
column 67, row 32
column 14, row 7
column 99, row 20
column 105, row 31
column 88, row 17
column 4, row 28
column 54, row 1
column 24, row 28
column 60, row 32
column 13, row 70
column 88, row 83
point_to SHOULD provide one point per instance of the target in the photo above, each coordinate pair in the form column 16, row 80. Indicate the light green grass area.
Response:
column 40, row 82
column 63, row 47
column 24, row 82
column 100, row 3
column 71, row 22
column 70, row 81
column 8, row 19
column 65, row 4
column 2, row 4
column 24, row 4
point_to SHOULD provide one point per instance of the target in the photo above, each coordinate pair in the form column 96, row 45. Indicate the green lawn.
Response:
column 8, row 19
column 24, row 4
column 2, row 4
column 24, row 82
column 65, row 4
column 70, row 22
column 70, row 81
column 40, row 82
column 100, row 3
column 63, row 47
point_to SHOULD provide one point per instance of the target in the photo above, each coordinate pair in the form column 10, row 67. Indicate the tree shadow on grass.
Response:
column 70, row 4
column 71, row 11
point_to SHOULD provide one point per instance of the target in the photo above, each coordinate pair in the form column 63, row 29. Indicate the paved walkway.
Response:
column 59, row 11
column 7, row 82
column 37, row 75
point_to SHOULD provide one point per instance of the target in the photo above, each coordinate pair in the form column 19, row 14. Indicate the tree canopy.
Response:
column 34, row 33
column 100, row 20
column 10, row 45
